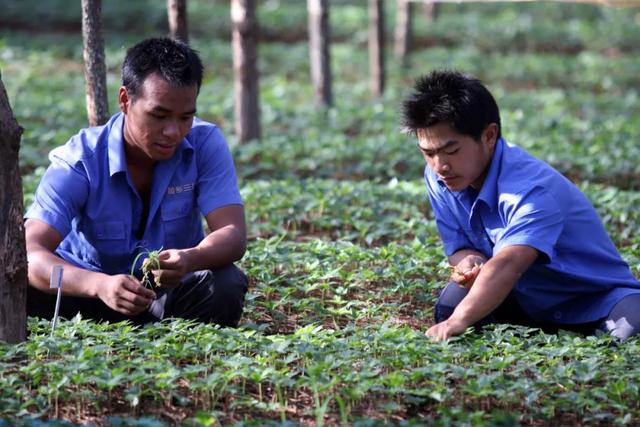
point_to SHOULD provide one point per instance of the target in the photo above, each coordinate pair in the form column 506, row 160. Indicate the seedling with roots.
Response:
column 459, row 277
column 152, row 262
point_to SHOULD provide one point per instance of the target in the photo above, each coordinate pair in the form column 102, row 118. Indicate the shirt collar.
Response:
column 117, row 159
column 488, row 192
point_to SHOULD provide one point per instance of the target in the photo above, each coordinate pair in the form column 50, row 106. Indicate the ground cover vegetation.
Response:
column 344, row 258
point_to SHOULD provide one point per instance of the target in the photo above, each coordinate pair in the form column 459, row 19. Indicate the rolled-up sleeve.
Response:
column 60, row 196
column 217, row 183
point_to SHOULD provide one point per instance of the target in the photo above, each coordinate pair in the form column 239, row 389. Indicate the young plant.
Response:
column 152, row 262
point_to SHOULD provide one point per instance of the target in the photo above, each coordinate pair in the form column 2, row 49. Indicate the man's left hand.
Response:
column 173, row 267
column 447, row 329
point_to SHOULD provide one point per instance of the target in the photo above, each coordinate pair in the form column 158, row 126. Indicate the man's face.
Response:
column 157, row 119
column 458, row 160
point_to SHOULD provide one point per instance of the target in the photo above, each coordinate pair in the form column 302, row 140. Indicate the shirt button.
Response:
column 557, row 315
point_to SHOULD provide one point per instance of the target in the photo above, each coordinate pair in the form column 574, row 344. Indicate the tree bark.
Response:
column 404, row 30
column 319, row 39
column 376, row 46
column 430, row 10
column 177, row 13
column 13, row 268
column 95, row 70
column 245, row 70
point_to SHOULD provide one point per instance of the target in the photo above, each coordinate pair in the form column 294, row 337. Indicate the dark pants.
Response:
column 215, row 296
column 622, row 323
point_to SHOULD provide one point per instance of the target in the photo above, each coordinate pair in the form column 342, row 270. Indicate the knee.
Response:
column 230, row 282
column 230, row 285
column 448, row 300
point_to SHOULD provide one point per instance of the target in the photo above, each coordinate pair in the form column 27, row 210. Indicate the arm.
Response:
column 225, row 244
column 492, row 285
column 121, row 292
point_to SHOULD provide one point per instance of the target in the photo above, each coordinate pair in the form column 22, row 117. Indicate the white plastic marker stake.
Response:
column 56, row 282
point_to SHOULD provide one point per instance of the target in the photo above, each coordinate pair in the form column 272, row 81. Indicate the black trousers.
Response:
column 215, row 296
column 622, row 322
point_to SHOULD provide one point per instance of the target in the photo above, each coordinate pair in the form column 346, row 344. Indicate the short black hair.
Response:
column 445, row 96
column 173, row 60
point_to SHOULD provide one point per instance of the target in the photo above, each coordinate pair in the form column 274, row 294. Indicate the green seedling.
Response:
column 152, row 262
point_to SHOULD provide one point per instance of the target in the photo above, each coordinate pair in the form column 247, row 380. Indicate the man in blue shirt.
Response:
column 142, row 182
column 525, row 245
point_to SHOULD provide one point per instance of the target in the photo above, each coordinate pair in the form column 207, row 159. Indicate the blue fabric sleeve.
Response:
column 217, row 183
column 451, row 232
column 60, row 196
column 533, row 219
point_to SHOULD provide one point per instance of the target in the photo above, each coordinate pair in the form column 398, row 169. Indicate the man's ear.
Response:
column 490, row 135
column 124, row 101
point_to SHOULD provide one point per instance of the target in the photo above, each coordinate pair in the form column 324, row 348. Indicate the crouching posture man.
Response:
column 526, row 246
column 142, row 182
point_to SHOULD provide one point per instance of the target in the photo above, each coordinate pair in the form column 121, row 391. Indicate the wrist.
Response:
column 462, row 318
column 96, row 285
column 190, row 258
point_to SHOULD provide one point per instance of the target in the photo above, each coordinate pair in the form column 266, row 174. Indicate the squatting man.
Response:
column 526, row 245
column 143, row 181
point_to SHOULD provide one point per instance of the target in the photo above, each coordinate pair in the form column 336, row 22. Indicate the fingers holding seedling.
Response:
column 150, row 264
column 125, row 294
column 465, row 275
column 160, row 268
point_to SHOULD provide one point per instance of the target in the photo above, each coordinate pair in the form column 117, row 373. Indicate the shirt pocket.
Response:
column 177, row 218
column 110, row 237
column 176, row 209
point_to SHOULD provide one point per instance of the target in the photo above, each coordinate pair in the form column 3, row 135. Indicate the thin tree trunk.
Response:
column 177, row 13
column 404, row 30
column 245, row 69
column 13, row 257
column 319, row 39
column 376, row 46
column 95, row 70
column 430, row 10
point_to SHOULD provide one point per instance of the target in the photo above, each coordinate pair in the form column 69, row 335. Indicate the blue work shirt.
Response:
column 579, row 275
column 87, row 195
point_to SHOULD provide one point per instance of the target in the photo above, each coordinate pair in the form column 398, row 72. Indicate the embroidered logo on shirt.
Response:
column 177, row 189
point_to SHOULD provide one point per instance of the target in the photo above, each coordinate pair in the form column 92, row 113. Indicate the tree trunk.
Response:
column 245, row 70
column 13, row 268
column 177, row 13
column 404, row 30
column 430, row 10
column 319, row 50
column 376, row 46
column 95, row 70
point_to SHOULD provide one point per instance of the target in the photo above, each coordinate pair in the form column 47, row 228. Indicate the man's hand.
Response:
column 447, row 329
column 125, row 294
column 174, row 264
column 466, row 271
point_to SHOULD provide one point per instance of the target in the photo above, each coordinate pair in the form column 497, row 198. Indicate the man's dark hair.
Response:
column 450, row 97
column 173, row 60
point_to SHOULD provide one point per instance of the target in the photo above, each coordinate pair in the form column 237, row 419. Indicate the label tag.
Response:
column 56, row 277
column 55, row 282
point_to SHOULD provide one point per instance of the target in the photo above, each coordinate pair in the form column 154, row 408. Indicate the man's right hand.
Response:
column 466, row 271
column 125, row 294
